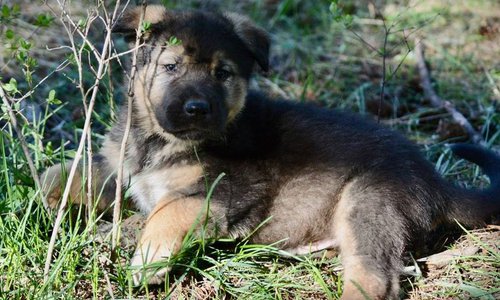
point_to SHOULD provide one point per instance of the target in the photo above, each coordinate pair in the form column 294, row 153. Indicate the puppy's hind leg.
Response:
column 371, row 238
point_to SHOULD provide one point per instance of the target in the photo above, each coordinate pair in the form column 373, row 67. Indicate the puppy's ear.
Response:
column 131, row 18
column 255, row 38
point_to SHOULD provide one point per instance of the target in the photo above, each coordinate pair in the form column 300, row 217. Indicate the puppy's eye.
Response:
column 222, row 74
column 172, row 68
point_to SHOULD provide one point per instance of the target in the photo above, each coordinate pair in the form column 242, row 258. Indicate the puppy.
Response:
column 320, row 178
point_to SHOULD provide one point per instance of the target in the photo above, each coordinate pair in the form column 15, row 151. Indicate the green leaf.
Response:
column 173, row 41
column 348, row 19
column 11, row 87
column 21, row 56
column 32, row 62
column 5, row 11
column 49, row 149
column 81, row 23
column 9, row 34
column 145, row 26
column 51, row 99
column 16, row 9
column 43, row 20
column 339, row 15
column 25, row 44
column 52, row 95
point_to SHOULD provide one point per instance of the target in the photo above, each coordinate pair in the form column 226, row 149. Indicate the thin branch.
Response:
column 77, row 53
column 90, row 204
column 123, row 53
column 22, row 140
column 383, row 53
column 408, row 119
column 436, row 101
column 109, row 286
column 384, row 63
column 75, row 26
column 60, row 67
column 119, row 177
column 361, row 39
column 101, row 69
column 408, row 51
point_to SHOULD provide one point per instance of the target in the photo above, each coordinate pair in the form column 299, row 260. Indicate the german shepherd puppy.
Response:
column 323, row 179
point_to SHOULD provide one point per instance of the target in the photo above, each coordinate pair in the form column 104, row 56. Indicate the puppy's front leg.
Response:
column 103, row 183
column 165, row 229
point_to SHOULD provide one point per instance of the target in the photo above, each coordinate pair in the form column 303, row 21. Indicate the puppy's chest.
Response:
column 161, row 175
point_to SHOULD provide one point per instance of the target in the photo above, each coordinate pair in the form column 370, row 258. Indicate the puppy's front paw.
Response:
column 54, row 182
column 162, row 237
column 149, row 261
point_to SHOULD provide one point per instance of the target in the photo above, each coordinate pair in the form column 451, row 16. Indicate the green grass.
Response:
column 315, row 59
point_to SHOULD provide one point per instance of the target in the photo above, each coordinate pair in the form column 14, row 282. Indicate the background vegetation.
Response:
column 355, row 55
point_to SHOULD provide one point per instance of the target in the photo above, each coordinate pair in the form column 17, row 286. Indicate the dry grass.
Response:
column 467, row 277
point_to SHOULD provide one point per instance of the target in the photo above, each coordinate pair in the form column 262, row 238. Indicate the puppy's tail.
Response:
column 474, row 207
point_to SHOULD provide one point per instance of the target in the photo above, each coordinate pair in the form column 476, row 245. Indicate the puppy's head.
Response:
column 192, row 69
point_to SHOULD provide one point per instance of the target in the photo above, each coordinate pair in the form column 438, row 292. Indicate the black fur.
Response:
column 298, row 136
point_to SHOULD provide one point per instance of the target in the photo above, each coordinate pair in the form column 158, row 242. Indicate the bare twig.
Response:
column 90, row 204
column 78, row 52
column 100, row 71
column 119, row 177
column 122, row 54
column 60, row 67
column 407, row 119
column 436, row 101
column 65, row 15
column 20, row 136
column 384, row 72
column 408, row 51
column 361, row 39
column 385, row 52
column 109, row 286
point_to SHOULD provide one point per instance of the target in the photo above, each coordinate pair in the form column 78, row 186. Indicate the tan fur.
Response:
column 184, row 176
column 288, row 217
column 237, row 98
column 236, row 86
column 359, row 281
column 152, row 14
column 165, row 229
column 150, row 81
column 150, row 187
column 53, row 188
column 149, row 88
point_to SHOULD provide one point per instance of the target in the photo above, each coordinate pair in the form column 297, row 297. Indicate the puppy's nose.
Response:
column 196, row 108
